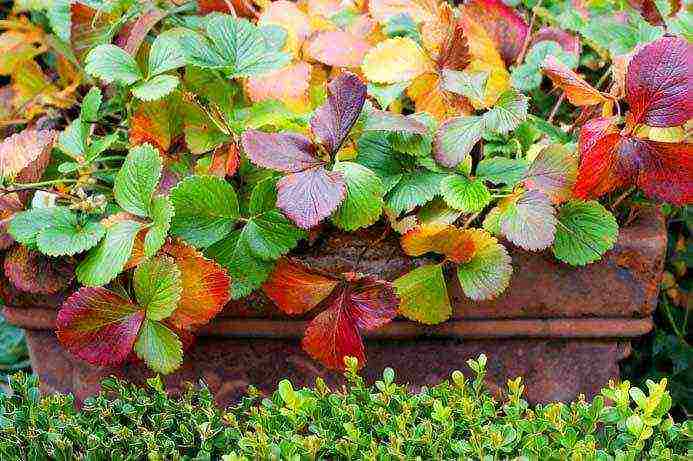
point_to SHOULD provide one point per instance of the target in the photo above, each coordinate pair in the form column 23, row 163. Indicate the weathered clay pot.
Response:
column 563, row 329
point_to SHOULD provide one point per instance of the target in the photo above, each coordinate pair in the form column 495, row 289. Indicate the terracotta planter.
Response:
column 564, row 329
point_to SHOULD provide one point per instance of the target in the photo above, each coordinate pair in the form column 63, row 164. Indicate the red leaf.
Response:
column 310, row 196
column 454, row 53
column 659, row 81
column 33, row 272
column 333, row 120
column 664, row 170
column 507, row 28
column 597, row 174
column 99, row 326
column 361, row 302
column 295, row 288
column 87, row 27
column 242, row 8
column 608, row 161
column 9, row 205
column 286, row 152
column 205, row 287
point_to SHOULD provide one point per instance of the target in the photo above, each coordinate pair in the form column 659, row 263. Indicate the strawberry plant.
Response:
column 161, row 159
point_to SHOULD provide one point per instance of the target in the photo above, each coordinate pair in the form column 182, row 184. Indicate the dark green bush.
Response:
column 457, row 419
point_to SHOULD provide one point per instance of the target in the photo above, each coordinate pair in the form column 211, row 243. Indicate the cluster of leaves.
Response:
column 455, row 419
column 221, row 136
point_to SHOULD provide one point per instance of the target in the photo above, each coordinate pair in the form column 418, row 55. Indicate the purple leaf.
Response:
column 333, row 120
column 286, row 152
column 310, row 196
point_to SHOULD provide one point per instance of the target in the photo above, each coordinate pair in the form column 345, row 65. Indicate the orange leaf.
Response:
column 295, row 288
column 577, row 90
column 205, row 286
column 289, row 85
column 456, row 244
column 336, row 48
column 429, row 97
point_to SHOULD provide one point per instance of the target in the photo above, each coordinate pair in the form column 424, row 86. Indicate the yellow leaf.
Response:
column 287, row 15
column 395, row 60
column 289, row 85
column 15, row 48
column 485, row 58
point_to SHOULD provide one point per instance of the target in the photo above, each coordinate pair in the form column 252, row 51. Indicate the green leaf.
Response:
column 402, row 25
column 423, row 295
column 237, row 46
column 206, row 207
column 103, row 263
column 526, row 77
column 386, row 94
column 462, row 193
column 488, row 273
column 271, row 235
column 263, row 198
column 26, row 225
column 455, row 139
column 414, row 189
column 161, row 213
column 67, row 236
column 155, row 88
column 159, row 347
column 528, row 221
column 112, row 64
column 364, row 201
column 73, row 139
column 59, row 17
column 509, row 111
column 586, row 230
column 137, row 179
column 376, row 153
column 165, row 54
column 91, row 104
column 158, row 286
column 247, row 271
column 471, row 85
column 501, row 170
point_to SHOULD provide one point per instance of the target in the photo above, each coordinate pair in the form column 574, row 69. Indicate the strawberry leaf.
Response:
column 488, row 272
column 246, row 270
column 137, row 179
column 161, row 213
column 376, row 153
column 362, row 302
column 658, row 83
column 295, row 288
column 378, row 120
column 104, row 262
column 333, row 120
column 311, row 195
column 157, row 285
column 111, row 64
column 159, row 347
column 270, row 235
column 553, row 172
column 464, row 194
column 235, row 46
column 598, row 173
column 509, row 111
column 336, row 48
column 205, row 287
column 206, row 208
column 68, row 235
column 32, row 272
column 424, row 295
column 26, row 225
column 20, row 150
column 412, row 190
column 471, row 85
column 455, row 139
column 164, row 55
column 501, row 170
column 285, row 152
column 456, row 244
column 156, row 87
column 585, row 232
column 364, row 200
column 98, row 326
column 529, row 221
column 577, row 90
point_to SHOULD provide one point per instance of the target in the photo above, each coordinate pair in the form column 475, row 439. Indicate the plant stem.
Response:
column 556, row 106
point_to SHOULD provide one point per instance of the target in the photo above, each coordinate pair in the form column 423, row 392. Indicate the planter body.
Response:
column 563, row 329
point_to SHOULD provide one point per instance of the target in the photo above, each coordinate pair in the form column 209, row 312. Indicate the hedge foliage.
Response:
column 456, row 419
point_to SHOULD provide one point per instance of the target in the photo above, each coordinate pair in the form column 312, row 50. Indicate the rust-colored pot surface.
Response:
column 563, row 328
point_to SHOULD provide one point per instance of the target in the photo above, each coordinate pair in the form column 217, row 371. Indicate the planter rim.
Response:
column 38, row 318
